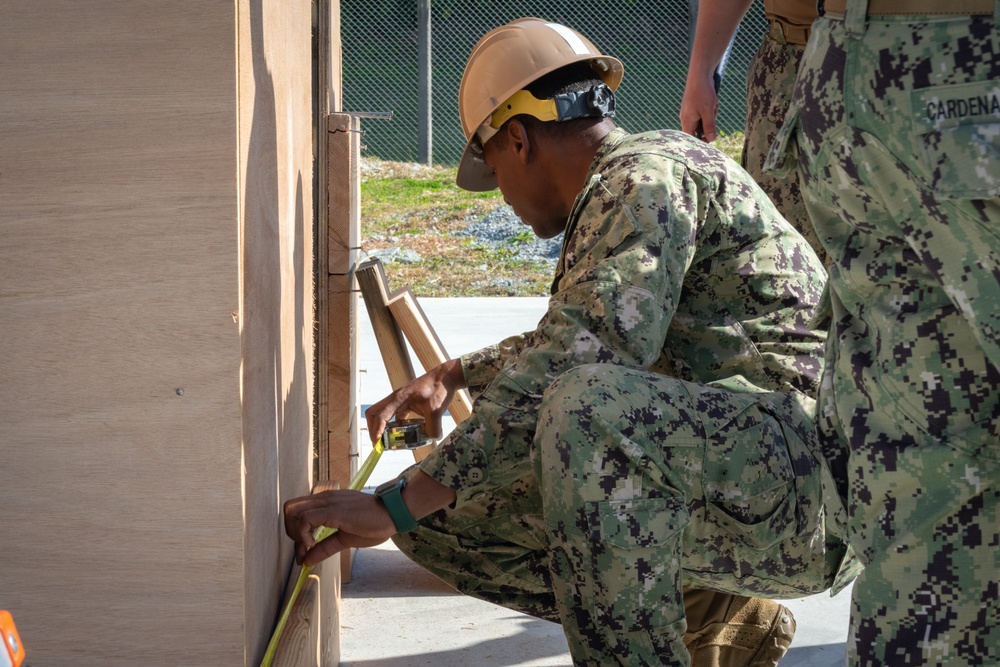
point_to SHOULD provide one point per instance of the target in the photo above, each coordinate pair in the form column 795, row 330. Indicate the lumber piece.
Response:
column 338, row 405
column 375, row 293
column 337, row 334
column 343, row 166
column 426, row 345
column 343, row 341
column 371, row 280
column 299, row 645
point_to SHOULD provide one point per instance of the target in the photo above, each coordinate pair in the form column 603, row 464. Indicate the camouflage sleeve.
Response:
column 482, row 366
column 617, row 285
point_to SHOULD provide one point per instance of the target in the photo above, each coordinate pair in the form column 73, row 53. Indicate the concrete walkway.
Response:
column 394, row 614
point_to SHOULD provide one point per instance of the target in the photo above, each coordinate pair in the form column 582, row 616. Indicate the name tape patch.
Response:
column 942, row 107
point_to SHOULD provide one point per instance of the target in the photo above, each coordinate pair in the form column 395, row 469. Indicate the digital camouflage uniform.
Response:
column 656, row 427
column 897, row 124
column 770, row 80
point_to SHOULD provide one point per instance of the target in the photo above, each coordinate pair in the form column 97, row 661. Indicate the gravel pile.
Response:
column 502, row 229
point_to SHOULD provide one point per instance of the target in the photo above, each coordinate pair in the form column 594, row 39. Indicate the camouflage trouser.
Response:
column 643, row 482
column 770, row 80
column 897, row 128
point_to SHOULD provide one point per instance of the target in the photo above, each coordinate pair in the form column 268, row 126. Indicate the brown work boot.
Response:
column 734, row 631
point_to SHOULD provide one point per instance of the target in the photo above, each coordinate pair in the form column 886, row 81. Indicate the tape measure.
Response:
column 399, row 434
column 11, row 648
column 320, row 534
column 405, row 434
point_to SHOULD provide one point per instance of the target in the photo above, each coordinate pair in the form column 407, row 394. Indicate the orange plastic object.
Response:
column 13, row 650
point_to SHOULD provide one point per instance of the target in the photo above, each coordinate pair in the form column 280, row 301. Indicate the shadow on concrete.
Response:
column 388, row 573
column 532, row 641
column 825, row 655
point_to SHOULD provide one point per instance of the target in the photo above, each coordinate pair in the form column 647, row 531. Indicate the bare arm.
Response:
column 717, row 23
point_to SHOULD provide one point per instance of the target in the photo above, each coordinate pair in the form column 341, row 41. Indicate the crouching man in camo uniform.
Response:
column 655, row 431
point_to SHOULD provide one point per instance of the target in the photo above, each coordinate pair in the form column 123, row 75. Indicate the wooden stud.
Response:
column 339, row 250
column 425, row 343
column 299, row 642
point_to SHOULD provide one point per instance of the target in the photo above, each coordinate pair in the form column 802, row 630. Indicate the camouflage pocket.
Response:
column 749, row 480
column 761, row 523
column 640, row 523
column 637, row 564
column 957, row 133
column 930, row 373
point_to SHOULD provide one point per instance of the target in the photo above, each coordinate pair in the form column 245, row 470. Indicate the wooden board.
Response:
column 156, row 316
column 275, row 174
column 304, row 642
column 343, row 241
column 340, row 319
column 300, row 640
column 413, row 322
column 388, row 335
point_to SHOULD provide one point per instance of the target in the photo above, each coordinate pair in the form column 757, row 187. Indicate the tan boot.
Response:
column 727, row 630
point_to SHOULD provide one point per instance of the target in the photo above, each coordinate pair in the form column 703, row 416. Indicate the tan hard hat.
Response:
column 502, row 63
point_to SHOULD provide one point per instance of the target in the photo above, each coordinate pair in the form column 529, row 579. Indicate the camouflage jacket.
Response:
column 673, row 260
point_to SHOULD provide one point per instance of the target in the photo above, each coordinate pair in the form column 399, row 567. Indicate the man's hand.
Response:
column 717, row 23
column 700, row 107
column 360, row 520
column 429, row 396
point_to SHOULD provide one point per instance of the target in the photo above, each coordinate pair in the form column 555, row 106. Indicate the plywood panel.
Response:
column 155, row 323
column 275, row 146
column 119, row 268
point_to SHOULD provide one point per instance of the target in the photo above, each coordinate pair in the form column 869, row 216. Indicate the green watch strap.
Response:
column 389, row 494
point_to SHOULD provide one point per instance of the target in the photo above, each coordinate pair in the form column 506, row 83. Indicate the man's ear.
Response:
column 520, row 142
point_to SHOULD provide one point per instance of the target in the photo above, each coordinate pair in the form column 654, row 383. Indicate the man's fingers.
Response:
column 379, row 414
column 323, row 550
column 304, row 515
column 691, row 124
column 709, row 132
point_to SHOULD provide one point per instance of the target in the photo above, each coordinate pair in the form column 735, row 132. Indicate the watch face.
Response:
column 386, row 487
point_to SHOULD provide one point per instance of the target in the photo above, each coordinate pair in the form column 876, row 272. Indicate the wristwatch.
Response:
column 389, row 494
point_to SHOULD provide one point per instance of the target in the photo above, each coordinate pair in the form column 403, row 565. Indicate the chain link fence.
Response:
column 381, row 70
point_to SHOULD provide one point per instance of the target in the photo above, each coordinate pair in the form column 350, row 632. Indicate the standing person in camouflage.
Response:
column 656, row 429
column 896, row 120
column 769, row 91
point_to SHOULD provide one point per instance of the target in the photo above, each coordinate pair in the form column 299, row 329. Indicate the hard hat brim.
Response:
column 473, row 174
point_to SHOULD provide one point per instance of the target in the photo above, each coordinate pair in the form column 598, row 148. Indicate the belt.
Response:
column 786, row 33
column 929, row 7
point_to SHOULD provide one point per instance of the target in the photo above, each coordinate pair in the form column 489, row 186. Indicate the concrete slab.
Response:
column 395, row 614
